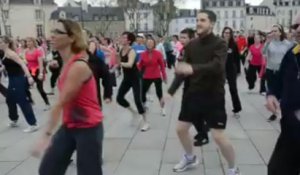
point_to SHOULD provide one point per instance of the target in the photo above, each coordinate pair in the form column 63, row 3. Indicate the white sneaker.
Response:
column 13, row 124
column 47, row 108
column 185, row 164
column 251, row 91
column 163, row 112
column 31, row 129
column 234, row 172
column 145, row 127
column 236, row 115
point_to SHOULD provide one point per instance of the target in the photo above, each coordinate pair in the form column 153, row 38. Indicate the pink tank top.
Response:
column 84, row 110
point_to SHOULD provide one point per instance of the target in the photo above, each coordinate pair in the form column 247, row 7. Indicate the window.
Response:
column 131, row 27
column 146, row 26
column 138, row 26
column 96, row 18
column 110, row 18
column 238, row 3
column 286, row 3
column 138, row 15
column 62, row 15
column 234, row 24
column 242, row 14
column 226, row 23
column 242, row 25
column 226, row 14
column 222, row 3
column 233, row 14
column 146, row 15
column 76, row 18
column 230, row 3
column 214, row 4
column 218, row 14
column 6, row 14
column 103, row 18
column 186, row 21
column 116, row 18
column 8, row 30
column 218, row 25
column 38, row 14
column 39, row 30
column 37, row 1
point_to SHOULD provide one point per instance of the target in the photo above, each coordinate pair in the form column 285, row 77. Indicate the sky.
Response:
column 188, row 3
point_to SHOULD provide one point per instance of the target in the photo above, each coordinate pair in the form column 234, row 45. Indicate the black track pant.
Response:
column 126, row 85
column 158, row 86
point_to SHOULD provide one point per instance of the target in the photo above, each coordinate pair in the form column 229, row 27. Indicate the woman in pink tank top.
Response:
column 81, row 128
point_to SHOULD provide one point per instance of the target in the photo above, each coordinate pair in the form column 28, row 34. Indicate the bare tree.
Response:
column 4, row 10
column 132, row 9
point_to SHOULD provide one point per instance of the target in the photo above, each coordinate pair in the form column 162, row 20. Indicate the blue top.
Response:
column 100, row 54
column 138, row 48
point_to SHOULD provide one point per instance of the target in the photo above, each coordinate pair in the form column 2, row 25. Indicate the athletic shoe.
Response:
column 234, row 172
column 13, row 124
column 145, row 126
column 272, row 118
column 31, row 129
column 47, row 108
column 186, row 163
column 163, row 112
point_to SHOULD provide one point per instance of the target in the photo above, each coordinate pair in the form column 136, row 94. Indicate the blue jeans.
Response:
column 16, row 94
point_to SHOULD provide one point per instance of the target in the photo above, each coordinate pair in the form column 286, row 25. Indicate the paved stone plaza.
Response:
column 127, row 151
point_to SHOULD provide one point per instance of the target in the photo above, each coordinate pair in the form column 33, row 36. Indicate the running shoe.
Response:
column 234, row 172
column 13, row 124
column 31, row 129
column 272, row 118
column 186, row 163
column 145, row 126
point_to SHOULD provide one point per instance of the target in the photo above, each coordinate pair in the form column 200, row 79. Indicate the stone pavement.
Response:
column 130, row 152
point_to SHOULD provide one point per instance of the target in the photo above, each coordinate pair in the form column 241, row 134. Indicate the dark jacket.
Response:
column 100, row 71
column 207, row 57
column 287, row 84
column 232, row 63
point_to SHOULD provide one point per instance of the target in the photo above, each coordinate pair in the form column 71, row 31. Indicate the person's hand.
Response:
column 30, row 80
column 41, row 146
column 107, row 100
column 53, row 64
column 272, row 104
column 41, row 76
column 165, row 81
column 184, row 69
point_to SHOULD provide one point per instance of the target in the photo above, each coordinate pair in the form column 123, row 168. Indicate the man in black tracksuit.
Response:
column 285, row 159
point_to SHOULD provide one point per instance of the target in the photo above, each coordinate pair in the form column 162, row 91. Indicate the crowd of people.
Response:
column 202, row 61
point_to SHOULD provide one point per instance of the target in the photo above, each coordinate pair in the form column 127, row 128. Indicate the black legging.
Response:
column 252, row 76
column 231, row 76
column 171, row 59
column 158, row 86
column 39, row 85
column 54, row 76
column 135, row 84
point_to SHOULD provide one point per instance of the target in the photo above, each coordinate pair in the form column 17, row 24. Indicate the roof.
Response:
column 186, row 13
column 259, row 10
column 29, row 2
column 99, row 12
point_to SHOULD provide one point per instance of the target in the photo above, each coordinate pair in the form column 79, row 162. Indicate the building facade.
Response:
column 26, row 18
column 107, row 21
column 259, row 18
column 231, row 13
column 185, row 18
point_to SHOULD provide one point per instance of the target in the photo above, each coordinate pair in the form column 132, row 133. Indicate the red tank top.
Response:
column 84, row 110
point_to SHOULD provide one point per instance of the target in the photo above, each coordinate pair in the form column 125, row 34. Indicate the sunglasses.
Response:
column 58, row 32
column 295, row 26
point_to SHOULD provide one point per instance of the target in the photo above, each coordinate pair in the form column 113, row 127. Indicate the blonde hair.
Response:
column 33, row 40
column 75, row 31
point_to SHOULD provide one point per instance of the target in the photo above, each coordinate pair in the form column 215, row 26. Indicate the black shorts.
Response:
column 207, row 107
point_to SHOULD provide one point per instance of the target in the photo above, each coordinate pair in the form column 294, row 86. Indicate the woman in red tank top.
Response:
column 82, row 128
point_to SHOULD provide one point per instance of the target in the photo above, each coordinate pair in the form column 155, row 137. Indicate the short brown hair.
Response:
column 74, row 31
